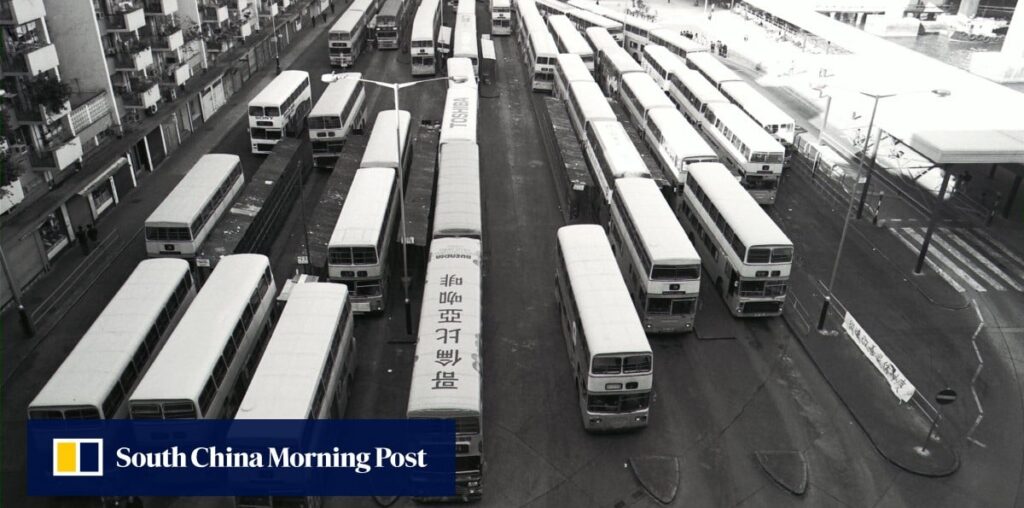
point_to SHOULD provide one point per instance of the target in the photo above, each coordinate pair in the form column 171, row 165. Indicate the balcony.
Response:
column 129, row 17
column 177, row 76
column 170, row 39
column 38, row 113
column 57, row 156
column 19, row 12
column 241, row 30
column 160, row 7
column 135, row 58
column 270, row 9
column 214, row 14
column 143, row 93
column 14, row 194
column 32, row 59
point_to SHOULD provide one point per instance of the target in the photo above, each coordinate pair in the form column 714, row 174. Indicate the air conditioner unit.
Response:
column 151, row 110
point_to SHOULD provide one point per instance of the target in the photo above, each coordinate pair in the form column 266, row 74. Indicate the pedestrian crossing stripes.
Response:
column 967, row 258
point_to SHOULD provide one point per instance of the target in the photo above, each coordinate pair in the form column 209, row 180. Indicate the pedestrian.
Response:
column 83, row 240
column 332, row 7
column 92, row 233
column 312, row 18
column 325, row 17
column 964, row 179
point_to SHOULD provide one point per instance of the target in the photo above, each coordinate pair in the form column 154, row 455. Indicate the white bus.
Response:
column 539, row 50
column 612, row 156
column 464, row 44
column 501, row 17
column 380, row 148
column 457, row 212
column 763, row 111
column 340, row 110
column 391, row 23
column 569, row 40
column 613, row 62
column 660, row 63
column 357, row 254
column 586, row 104
column 348, row 35
column 207, row 362
column 712, row 69
column 461, row 69
column 586, row 19
column 424, row 33
column 306, row 373
column 458, row 121
column 279, row 109
column 674, row 42
column 569, row 68
column 753, row 154
column 611, row 360
column 660, row 265
column 641, row 95
column 691, row 94
column 187, row 215
column 548, row 8
column 446, row 376
column 744, row 251
column 101, row 371
column 677, row 146
column 637, row 31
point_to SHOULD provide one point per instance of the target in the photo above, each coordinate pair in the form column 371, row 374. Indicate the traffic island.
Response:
column 659, row 476
column 788, row 469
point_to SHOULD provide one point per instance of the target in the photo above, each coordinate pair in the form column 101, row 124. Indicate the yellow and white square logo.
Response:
column 77, row 457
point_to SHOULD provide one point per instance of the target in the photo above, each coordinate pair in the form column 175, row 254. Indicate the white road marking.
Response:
column 945, row 260
column 931, row 264
column 1000, row 249
column 953, row 235
column 966, row 261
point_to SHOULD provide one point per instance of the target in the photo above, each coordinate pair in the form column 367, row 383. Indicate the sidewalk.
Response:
column 56, row 291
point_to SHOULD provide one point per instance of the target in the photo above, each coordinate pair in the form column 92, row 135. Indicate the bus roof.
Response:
column 87, row 374
column 540, row 38
column 362, row 5
column 600, row 38
column 743, row 127
column 380, row 147
column 459, row 67
column 613, row 14
column 347, row 22
column 596, row 20
column 464, row 43
column 664, row 57
column 466, row 8
column 280, row 88
column 646, row 90
column 286, row 381
column 391, row 8
column 605, row 309
column 573, row 68
column 656, row 224
column 362, row 216
column 423, row 24
column 620, row 60
column 335, row 96
column 454, row 267
column 715, row 70
column 501, row 3
column 487, row 49
column 194, row 348
column 186, row 201
column 747, row 219
column 700, row 86
column 674, row 41
column 459, row 119
column 682, row 139
column 764, row 111
column 591, row 100
column 457, row 212
column 619, row 150
column 571, row 39
column 553, row 5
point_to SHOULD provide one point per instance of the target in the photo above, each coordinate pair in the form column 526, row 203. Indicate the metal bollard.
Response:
column 824, row 313
column 878, row 208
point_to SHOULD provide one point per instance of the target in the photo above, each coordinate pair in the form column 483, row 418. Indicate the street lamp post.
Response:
column 277, row 43
column 395, row 88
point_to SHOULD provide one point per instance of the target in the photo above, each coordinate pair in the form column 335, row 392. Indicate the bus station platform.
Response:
column 323, row 218
column 576, row 189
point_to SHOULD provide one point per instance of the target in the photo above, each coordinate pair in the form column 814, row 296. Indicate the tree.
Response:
column 50, row 92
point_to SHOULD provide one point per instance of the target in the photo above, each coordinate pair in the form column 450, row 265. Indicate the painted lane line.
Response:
column 931, row 264
column 1001, row 250
column 983, row 259
column 966, row 261
column 946, row 261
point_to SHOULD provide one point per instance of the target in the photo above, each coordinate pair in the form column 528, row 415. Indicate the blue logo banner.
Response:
column 241, row 458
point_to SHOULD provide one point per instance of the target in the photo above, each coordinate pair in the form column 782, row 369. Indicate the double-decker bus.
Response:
column 677, row 146
column 501, row 17
column 464, row 43
column 711, row 68
column 691, row 94
column 763, row 111
column 641, row 95
column 539, row 50
column 743, row 250
column 637, row 32
column 340, row 110
column 569, row 68
column 677, row 44
column 611, row 155
column 458, row 121
column 279, row 109
column 306, row 373
column 446, row 375
column 186, row 216
column 457, row 212
column 660, row 63
column 586, row 104
column 390, row 23
column 347, row 37
column 205, row 367
column 423, row 59
column 660, row 265
column 753, row 154
column 357, row 253
column 586, row 19
column 99, row 374
column 569, row 40
column 613, row 62
column 611, row 359
column 548, row 8
column 381, row 149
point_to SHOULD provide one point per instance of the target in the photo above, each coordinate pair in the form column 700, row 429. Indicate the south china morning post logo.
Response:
column 77, row 457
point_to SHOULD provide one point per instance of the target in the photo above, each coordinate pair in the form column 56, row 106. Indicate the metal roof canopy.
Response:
column 969, row 147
